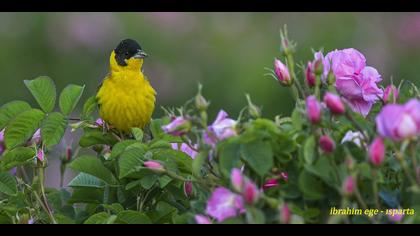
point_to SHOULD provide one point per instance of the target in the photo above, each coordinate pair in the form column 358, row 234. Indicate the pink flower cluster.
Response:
column 224, row 203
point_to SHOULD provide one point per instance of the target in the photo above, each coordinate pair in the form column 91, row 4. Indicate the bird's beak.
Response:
column 140, row 54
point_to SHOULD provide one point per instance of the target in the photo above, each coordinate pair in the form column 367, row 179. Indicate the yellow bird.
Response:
column 125, row 98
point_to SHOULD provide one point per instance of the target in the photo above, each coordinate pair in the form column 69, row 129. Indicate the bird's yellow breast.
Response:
column 126, row 100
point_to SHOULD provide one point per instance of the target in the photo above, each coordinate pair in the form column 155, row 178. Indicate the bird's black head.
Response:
column 127, row 49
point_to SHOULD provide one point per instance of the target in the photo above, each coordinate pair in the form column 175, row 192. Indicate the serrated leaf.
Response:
column 16, row 157
column 96, row 137
column 8, row 184
column 137, row 133
column 115, row 207
column 89, row 107
column 22, row 128
column 93, row 166
column 86, row 180
column 52, row 129
column 120, row 148
column 133, row 217
column 69, row 98
column 130, row 161
column 258, row 155
column 148, row 181
column 10, row 110
column 43, row 90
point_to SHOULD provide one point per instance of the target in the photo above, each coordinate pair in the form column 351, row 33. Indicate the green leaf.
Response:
column 182, row 160
column 198, row 163
column 130, row 161
column 148, row 181
column 96, row 137
column 69, row 98
column 229, row 156
column 114, row 207
column 86, row 180
column 137, row 133
column 309, row 150
column 43, row 89
column 16, row 157
column 8, row 184
column 133, row 217
column 99, row 218
column 93, row 166
column 255, row 216
column 10, row 110
column 311, row 187
column 89, row 107
column 120, row 148
column 53, row 128
column 22, row 128
column 258, row 155
column 86, row 195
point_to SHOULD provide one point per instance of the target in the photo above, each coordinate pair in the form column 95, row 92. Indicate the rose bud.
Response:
column 349, row 186
column 250, row 192
column 313, row 109
column 334, row 103
column 188, row 189
column 326, row 144
column 155, row 166
column 377, row 152
column 40, row 155
column 285, row 214
column 390, row 94
column 310, row 75
column 282, row 73
column 237, row 179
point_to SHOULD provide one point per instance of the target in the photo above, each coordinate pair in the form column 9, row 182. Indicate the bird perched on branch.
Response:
column 125, row 98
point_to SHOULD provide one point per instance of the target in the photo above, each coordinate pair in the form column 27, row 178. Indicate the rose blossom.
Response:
column 222, row 128
column 355, row 81
column 224, row 204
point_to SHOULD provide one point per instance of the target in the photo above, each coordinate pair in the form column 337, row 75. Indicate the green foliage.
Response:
column 44, row 92
column 21, row 129
column 53, row 128
column 69, row 98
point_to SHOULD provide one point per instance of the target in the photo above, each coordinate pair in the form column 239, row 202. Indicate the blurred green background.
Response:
column 226, row 52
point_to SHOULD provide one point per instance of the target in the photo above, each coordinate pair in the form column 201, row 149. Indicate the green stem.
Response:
column 375, row 188
column 41, row 175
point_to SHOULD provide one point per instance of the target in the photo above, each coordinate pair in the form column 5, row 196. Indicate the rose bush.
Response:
column 348, row 143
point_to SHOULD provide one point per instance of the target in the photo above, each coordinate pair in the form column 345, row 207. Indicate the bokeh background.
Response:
column 226, row 52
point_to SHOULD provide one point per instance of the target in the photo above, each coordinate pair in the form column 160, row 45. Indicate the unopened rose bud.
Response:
column 40, row 155
column 155, row 166
column 318, row 66
column 377, row 152
column 349, row 186
column 331, row 78
column 310, row 75
column 285, row 214
column 253, row 110
column 334, row 103
column 271, row 183
column 2, row 147
column 390, row 94
column 188, row 189
column 237, row 179
column 313, row 109
column 282, row 73
column 250, row 192
column 69, row 153
column 178, row 126
column 201, row 103
column 326, row 144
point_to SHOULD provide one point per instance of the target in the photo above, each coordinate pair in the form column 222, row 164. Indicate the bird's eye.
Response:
column 126, row 53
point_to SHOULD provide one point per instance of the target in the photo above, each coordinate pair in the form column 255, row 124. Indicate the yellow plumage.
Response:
column 126, row 99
